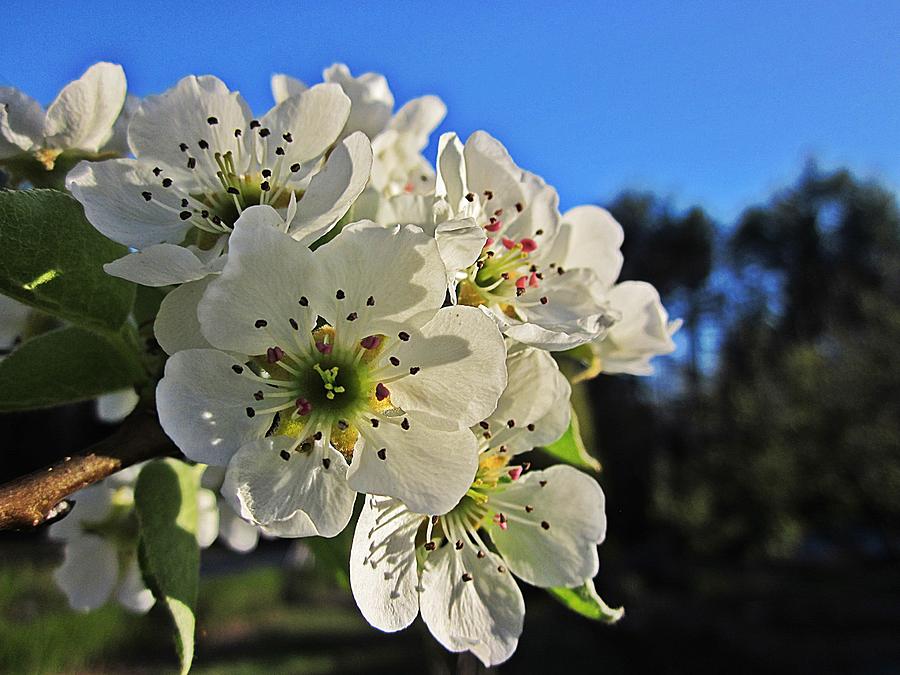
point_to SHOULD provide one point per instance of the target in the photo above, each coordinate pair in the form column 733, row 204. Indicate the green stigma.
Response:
column 329, row 378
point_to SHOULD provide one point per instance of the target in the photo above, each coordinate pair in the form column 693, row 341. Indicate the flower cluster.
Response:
column 343, row 317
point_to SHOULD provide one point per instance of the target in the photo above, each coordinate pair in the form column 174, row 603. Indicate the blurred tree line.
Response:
column 773, row 433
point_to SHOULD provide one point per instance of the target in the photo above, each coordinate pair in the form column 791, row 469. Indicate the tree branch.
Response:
column 28, row 501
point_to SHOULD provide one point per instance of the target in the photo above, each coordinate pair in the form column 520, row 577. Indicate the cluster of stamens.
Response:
column 229, row 177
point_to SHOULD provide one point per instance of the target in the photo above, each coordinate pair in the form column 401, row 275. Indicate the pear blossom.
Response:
column 201, row 158
column 78, row 124
column 235, row 532
column 101, row 539
column 497, row 228
column 543, row 528
column 333, row 373
column 397, row 139
column 591, row 237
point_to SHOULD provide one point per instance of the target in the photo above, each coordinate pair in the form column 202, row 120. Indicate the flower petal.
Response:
column 83, row 115
column 132, row 594
column 235, row 532
column 89, row 572
column 461, row 362
column 181, row 115
column 590, row 237
column 252, row 304
column 207, row 518
column 114, row 196
column 555, row 542
column 285, row 86
column 21, row 122
column 398, row 267
column 535, row 389
column 202, row 402
column 158, row 265
column 272, row 489
column 472, row 603
column 428, row 466
column 371, row 99
column 460, row 243
column 333, row 189
column 383, row 574
column 114, row 407
column 489, row 168
column 313, row 118
column 176, row 326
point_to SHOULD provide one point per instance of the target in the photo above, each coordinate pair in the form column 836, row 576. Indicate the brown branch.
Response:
column 28, row 501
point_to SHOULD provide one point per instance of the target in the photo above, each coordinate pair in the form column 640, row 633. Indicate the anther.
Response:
column 501, row 569
column 185, row 215
column 184, row 203
column 294, row 324
column 258, row 396
column 529, row 508
column 370, row 342
column 342, row 424
column 466, row 576
column 202, row 144
column 318, row 435
column 266, row 173
column 232, row 190
column 480, row 554
column 542, row 483
column 238, row 369
column 326, row 462
column 381, row 392
column 261, row 323
column 403, row 335
column 430, row 546
column 295, row 168
column 528, row 245
column 459, row 544
column 374, row 422
column 530, row 427
column 484, row 424
column 544, row 300
column 146, row 195
column 538, row 232
column 279, row 151
column 510, row 423
column 183, row 147
column 470, row 197
column 285, row 455
column 352, row 316
column 156, row 171
column 414, row 370
column 303, row 302
column 287, row 137
column 304, row 407
column 324, row 347
column 264, row 186
column 405, row 424
column 274, row 354
column 254, row 124
column 394, row 361
column 250, row 412
column 340, row 295
column 370, row 301
column 489, row 194
column 545, row 524
column 212, row 120
column 166, row 182
column 382, row 454
column 264, row 132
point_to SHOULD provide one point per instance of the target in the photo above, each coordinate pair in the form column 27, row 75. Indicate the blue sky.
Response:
column 709, row 102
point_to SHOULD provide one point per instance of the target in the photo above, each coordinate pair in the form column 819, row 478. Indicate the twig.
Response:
column 28, row 501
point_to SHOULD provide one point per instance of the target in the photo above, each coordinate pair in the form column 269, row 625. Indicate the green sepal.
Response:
column 584, row 600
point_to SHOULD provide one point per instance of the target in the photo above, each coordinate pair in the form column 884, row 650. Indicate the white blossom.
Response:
column 333, row 372
column 543, row 527
column 79, row 121
column 201, row 159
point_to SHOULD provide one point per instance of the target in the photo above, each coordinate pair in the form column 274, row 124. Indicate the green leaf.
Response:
column 165, row 499
column 66, row 365
column 571, row 450
column 585, row 601
column 52, row 258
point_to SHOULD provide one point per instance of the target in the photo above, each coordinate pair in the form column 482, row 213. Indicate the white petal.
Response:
column 417, row 118
column 250, row 306
column 159, row 265
column 88, row 573
column 118, row 142
column 540, row 214
column 571, row 503
column 590, row 237
column 399, row 267
column 333, row 189
column 202, row 404
column 112, row 195
column 132, row 594
column 642, row 333
column 490, row 168
column 272, row 490
column 572, row 315
column 314, row 118
column 483, row 615
column 460, row 243
column 116, row 406
column 285, row 86
column 426, row 466
column 21, row 122
column 235, row 532
column 383, row 574
column 371, row 99
column 13, row 319
column 177, row 326
column 451, row 175
column 535, row 389
column 462, row 362
column 207, row 518
column 83, row 114
column 181, row 115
